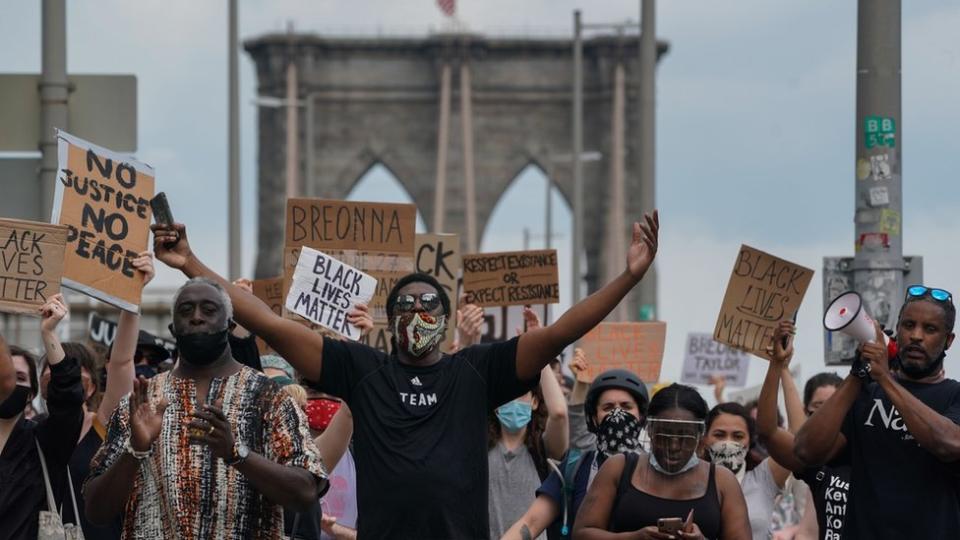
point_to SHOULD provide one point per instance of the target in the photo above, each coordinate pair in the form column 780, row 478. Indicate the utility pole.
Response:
column 577, row 151
column 648, row 137
column 235, row 224
column 293, row 151
column 878, row 265
column 53, row 97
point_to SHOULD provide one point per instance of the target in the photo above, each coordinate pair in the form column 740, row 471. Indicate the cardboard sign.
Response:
column 378, row 338
column 102, row 331
column 270, row 292
column 636, row 346
column 438, row 255
column 375, row 238
column 705, row 357
column 512, row 278
column 763, row 291
column 104, row 198
column 31, row 264
column 324, row 290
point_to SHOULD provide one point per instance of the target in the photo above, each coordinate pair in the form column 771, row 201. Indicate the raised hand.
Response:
column 52, row 312
column 579, row 365
column 145, row 418
column 144, row 264
column 170, row 244
column 531, row 321
column 876, row 354
column 643, row 248
column 781, row 352
column 360, row 317
column 244, row 284
column 211, row 427
column 469, row 323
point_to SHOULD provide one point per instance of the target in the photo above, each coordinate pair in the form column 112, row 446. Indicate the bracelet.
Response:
column 139, row 456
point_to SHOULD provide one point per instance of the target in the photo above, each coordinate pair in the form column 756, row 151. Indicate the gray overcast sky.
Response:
column 755, row 122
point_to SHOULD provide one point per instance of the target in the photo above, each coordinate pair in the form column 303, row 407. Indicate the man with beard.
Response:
column 212, row 449
column 898, row 419
column 420, row 416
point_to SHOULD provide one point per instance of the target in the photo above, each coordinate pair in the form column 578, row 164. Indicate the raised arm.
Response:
column 292, row 340
column 779, row 441
column 581, row 384
column 53, row 311
column 538, row 347
column 335, row 440
column 792, row 401
column 556, row 436
column 8, row 375
column 120, row 368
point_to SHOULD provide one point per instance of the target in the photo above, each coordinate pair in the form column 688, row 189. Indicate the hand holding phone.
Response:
column 161, row 213
column 670, row 525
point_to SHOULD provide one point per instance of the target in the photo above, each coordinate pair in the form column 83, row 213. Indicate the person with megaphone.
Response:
column 899, row 420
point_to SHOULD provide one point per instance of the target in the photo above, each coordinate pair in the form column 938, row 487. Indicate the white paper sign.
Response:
column 705, row 357
column 324, row 290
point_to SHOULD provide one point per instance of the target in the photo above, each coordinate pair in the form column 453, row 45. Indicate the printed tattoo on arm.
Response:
column 525, row 532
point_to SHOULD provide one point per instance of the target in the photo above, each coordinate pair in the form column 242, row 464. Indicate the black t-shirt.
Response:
column 898, row 489
column 830, row 486
column 420, row 435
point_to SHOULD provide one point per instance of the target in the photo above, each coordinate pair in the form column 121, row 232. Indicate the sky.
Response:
column 755, row 126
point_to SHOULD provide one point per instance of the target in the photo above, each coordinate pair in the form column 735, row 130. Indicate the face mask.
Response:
column 15, row 402
column 202, row 349
column 619, row 432
column 731, row 455
column 320, row 412
column 691, row 463
column 515, row 415
column 146, row 371
column 418, row 332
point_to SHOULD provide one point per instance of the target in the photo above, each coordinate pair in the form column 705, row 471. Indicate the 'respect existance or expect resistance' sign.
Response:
column 763, row 290
column 104, row 199
column 636, row 346
column 324, row 290
column 513, row 278
column 706, row 358
column 31, row 264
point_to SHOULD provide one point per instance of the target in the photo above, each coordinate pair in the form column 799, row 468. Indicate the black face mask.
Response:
column 15, row 403
column 202, row 349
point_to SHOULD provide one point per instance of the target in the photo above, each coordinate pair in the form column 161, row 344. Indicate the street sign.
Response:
column 102, row 109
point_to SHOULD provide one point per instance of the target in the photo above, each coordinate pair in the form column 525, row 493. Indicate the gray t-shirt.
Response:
column 580, row 436
column 513, row 485
column 760, row 490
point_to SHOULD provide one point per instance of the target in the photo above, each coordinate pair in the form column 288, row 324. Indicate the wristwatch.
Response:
column 859, row 368
column 240, row 453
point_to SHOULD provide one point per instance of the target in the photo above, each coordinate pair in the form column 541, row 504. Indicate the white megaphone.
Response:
column 846, row 314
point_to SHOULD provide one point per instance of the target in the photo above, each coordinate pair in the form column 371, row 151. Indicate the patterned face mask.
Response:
column 418, row 332
column 731, row 455
column 619, row 432
column 320, row 412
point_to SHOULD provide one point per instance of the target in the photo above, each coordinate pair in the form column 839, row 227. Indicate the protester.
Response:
column 331, row 421
column 23, row 492
column 731, row 433
column 615, row 401
column 419, row 415
column 829, row 483
column 632, row 492
column 897, row 419
column 212, row 449
column 524, row 434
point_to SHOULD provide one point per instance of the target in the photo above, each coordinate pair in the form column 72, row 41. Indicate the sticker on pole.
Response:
column 324, row 290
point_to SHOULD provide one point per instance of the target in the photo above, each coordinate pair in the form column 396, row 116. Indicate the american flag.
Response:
column 447, row 7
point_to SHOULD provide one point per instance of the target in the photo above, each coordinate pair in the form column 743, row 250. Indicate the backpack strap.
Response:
column 51, row 502
column 569, row 467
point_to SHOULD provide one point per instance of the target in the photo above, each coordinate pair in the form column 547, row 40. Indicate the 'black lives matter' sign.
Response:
column 763, row 291
column 104, row 199
column 31, row 263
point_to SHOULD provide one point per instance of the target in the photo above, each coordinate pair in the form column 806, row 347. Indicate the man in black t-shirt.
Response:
column 420, row 416
column 900, row 428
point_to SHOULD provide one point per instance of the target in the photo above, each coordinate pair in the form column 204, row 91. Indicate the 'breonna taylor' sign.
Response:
column 323, row 291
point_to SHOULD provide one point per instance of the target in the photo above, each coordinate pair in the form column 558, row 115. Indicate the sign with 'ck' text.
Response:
column 323, row 291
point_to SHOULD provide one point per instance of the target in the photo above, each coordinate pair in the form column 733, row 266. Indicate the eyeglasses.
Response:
column 428, row 300
column 919, row 291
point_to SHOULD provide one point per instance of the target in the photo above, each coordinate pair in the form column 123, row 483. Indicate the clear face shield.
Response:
column 674, row 442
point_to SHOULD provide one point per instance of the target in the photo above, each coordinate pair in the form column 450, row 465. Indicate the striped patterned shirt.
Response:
column 181, row 490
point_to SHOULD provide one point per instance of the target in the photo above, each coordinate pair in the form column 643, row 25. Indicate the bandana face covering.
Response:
column 320, row 412
column 619, row 432
column 731, row 455
column 418, row 332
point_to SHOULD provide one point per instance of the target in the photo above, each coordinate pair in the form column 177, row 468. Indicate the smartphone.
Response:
column 161, row 209
column 670, row 525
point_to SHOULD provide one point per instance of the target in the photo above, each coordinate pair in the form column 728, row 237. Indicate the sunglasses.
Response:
column 919, row 291
column 428, row 300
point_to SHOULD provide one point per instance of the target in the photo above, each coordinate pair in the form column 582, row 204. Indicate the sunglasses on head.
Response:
column 428, row 300
column 919, row 291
